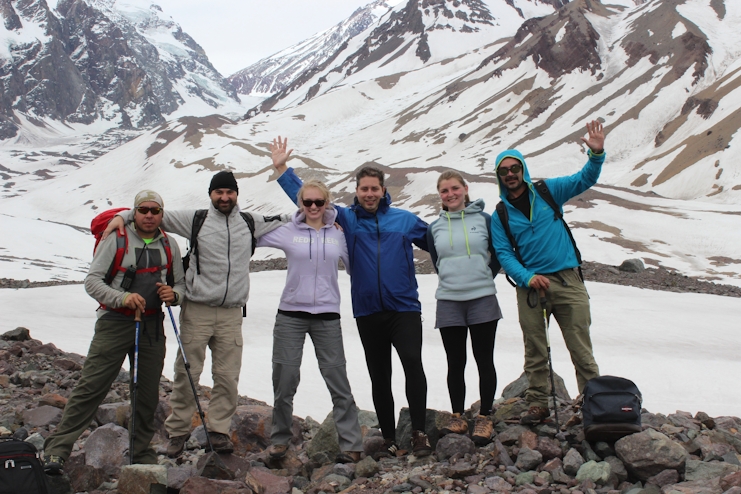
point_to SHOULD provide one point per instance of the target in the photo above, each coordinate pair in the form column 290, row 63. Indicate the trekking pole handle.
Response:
column 138, row 315
column 543, row 299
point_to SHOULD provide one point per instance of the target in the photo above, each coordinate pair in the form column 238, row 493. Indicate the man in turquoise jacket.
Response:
column 548, row 265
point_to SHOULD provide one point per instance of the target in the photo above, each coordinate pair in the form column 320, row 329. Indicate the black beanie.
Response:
column 223, row 180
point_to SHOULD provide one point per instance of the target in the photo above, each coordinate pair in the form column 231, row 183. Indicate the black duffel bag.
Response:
column 611, row 409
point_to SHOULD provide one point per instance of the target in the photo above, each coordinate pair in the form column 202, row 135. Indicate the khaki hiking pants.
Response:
column 570, row 307
column 220, row 329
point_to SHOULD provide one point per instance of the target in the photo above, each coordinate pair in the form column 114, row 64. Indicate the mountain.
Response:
column 275, row 72
column 117, row 63
column 449, row 84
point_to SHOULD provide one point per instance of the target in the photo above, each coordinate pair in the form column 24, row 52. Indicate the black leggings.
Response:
column 403, row 330
column 482, row 342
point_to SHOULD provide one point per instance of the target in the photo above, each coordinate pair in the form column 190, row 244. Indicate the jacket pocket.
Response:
column 303, row 294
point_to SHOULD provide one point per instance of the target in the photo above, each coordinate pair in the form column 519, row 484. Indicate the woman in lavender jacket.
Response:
column 311, row 304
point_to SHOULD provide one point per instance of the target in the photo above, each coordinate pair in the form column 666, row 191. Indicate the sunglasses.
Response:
column 154, row 211
column 308, row 202
column 503, row 171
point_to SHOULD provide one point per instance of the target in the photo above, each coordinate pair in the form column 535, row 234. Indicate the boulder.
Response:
column 703, row 470
column 271, row 483
column 632, row 266
column 598, row 472
column 528, row 459
column 17, row 334
column 518, row 387
column 648, row 453
column 250, row 428
column 667, row 477
column 42, row 416
column 113, row 413
column 367, row 467
column 572, row 462
column 107, row 448
column 454, row 444
column 325, row 439
column 142, row 479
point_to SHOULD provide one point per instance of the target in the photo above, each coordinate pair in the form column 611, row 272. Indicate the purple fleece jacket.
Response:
column 311, row 283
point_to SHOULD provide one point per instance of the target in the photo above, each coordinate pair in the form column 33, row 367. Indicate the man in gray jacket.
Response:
column 149, row 273
column 217, row 284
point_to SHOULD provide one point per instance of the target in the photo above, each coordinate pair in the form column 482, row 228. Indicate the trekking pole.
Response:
column 543, row 302
column 186, row 364
column 132, row 431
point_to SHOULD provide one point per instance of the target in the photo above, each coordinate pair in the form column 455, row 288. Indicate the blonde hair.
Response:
column 452, row 175
column 316, row 184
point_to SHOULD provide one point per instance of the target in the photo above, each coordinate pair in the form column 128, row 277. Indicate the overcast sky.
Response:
column 237, row 33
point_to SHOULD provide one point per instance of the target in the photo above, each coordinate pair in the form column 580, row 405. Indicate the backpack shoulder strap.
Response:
column 169, row 276
column 198, row 220
column 504, row 219
column 122, row 245
column 493, row 260
column 545, row 194
column 251, row 225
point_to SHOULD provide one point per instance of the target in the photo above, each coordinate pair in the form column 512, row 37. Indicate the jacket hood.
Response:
column 299, row 217
column 475, row 206
column 511, row 153
column 383, row 205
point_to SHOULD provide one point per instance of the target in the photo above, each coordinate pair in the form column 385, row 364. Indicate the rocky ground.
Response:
column 652, row 279
column 675, row 454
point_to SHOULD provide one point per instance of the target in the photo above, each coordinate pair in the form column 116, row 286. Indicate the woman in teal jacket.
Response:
column 460, row 246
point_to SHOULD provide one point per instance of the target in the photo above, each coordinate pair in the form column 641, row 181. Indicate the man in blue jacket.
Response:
column 548, row 266
column 384, row 292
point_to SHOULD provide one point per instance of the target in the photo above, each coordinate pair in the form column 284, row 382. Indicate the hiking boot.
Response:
column 221, row 442
column 348, row 457
column 53, row 465
column 176, row 445
column 420, row 444
column 277, row 451
column 482, row 429
column 389, row 450
column 535, row 416
column 456, row 425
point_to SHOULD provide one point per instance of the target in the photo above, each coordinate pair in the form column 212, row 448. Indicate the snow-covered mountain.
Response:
column 274, row 73
column 118, row 63
column 442, row 84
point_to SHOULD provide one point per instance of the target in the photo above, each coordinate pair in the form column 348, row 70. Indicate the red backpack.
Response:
column 98, row 226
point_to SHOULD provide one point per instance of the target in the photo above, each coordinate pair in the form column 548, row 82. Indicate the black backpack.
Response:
column 20, row 469
column 611, row 409
column 198, row 220
column 545, row 194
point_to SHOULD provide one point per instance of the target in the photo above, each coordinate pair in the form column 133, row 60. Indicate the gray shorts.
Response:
column 467, row 312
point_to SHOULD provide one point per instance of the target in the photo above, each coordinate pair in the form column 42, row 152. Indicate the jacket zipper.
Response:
column 378, row 256
column 228, row 258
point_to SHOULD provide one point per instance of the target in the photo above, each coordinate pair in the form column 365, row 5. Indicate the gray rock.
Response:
column 603, row 449
column 528, row 459
column 560, row 476
column 460, row 470
column 498, row 484
column 502, row 455
column 589, row 453
column 404, row 487
column 37, row 440
column 42, row 416
column 325, row 439
column 617, row 468
column 632, row 266
column 511, row 435
column 524, row 478
column 703, row 470
column 345, row 469
column 518, row 387
column 550, row 448
column 367, row 467
column 176, row 476
column 113, row 413
column 477, row 489
column 572, row 462
column 667, row 477
column 142, row 479
column 107, row 448
column 17, row 334
column 598, row 472
column 453, row 444
column 647, row 453
column 341, row 481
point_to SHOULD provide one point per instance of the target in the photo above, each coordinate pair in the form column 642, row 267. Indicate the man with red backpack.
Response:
column 132, row 273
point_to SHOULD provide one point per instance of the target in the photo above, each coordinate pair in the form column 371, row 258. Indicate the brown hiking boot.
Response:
column 277, row 451
column 221, row 442
column 456, row 425
column 176, row 445
column 534, row 416
column 420, row 444
column 389, row 450
column 482, row 430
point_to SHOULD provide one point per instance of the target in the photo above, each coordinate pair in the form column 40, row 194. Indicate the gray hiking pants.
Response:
column 288, row 347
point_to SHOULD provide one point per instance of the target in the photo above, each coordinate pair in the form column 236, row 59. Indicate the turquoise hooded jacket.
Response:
column 543, row 240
